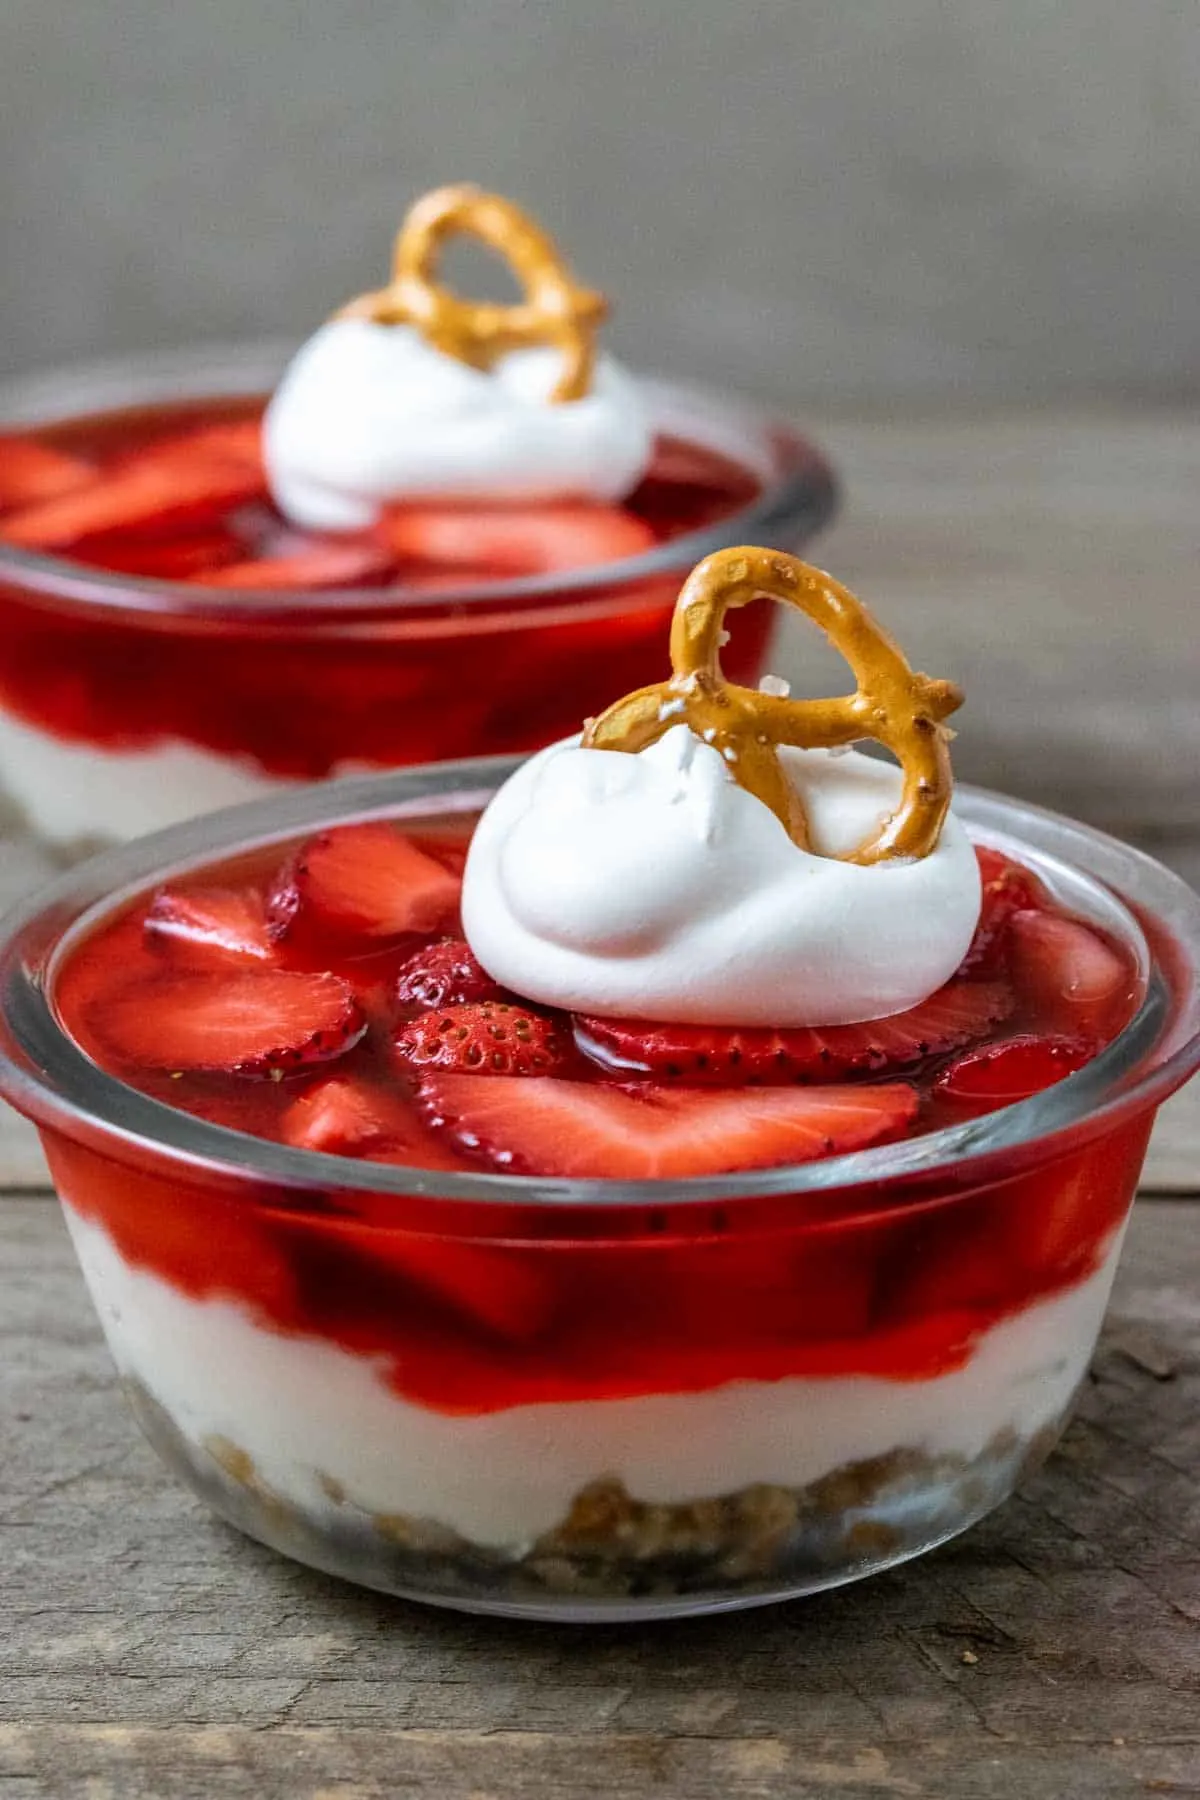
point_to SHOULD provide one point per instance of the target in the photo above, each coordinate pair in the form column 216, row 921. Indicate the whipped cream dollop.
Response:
column 653, row 886
column 370, row 414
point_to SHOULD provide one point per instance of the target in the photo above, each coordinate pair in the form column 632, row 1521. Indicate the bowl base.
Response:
column 609, row 1562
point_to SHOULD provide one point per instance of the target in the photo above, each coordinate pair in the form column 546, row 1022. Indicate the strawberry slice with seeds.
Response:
column 725, row 1056
column 1070, row 978
column 244, row 1023
column 577, row 1129
column 365, row 880
column 1008, row 888
column 342, row 1116
column 519, row 540
column 489, row 1038
column 994, row 1075
column 31, row 472
column 161, row 487
column 210, row 926
column 445, row 974
column 311, row 564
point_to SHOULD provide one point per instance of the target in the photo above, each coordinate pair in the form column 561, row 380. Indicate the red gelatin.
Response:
column 348, row 1266
column 485, row 1084
column 226, row 666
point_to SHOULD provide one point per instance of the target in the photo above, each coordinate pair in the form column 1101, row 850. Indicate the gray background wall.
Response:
column 861, row 200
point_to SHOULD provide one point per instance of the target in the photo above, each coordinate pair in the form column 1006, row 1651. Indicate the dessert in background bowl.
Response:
column 443, row 528
column 683, row 1170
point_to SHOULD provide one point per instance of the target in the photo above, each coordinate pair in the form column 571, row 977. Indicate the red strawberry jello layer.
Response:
column 499, row 1401
column 274, row 655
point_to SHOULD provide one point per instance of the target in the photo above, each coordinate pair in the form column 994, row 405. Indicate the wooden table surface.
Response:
column 148, row 1653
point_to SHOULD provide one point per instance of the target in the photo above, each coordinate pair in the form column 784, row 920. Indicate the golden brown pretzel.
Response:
column 554, row 311
column 899, row 708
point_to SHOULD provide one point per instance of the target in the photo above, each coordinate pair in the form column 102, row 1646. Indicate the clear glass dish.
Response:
column 594, row 1399
column 127, row 704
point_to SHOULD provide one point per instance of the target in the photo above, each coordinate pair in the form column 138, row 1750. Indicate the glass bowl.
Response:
column 128, row 704
column 597, row 1399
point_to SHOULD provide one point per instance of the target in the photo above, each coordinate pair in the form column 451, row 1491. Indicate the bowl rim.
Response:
column 801, row 499
column 53, row 1081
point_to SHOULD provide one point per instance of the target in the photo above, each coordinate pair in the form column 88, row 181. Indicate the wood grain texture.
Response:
column 147, row 1652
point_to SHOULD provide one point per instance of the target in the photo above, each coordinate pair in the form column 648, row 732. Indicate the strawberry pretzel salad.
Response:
column 695, row 1179
column 446, row 527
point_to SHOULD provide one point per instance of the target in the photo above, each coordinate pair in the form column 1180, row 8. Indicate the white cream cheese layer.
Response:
column 305, row 1409
column 71, row 792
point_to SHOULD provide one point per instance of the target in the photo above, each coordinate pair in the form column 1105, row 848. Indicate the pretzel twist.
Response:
column 554, row 310
column 893, row 704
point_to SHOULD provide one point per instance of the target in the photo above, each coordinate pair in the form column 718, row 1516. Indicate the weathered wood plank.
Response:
column 148, row 1653
column 185, row 1762
column 22, row 869
column 1049, row 564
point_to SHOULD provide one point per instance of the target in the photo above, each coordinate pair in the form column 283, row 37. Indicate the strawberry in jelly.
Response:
column 590, row 1308
column 214, row 983
column 177, row 494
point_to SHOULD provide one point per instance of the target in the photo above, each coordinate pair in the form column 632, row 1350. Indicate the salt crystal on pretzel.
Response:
column 893, row 704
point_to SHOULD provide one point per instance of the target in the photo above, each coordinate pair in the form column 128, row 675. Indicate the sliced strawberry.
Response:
column 1007, row 889
column 445, row 974
column 204, row 1241
column 1064, row 1219
column 31, row 472
column 353, row 1115
column 1069, row 977
column 726, row 1056
column 243, row 1023
column 994, row 1075
column 311, row 564
column 138, row 494
column 166, row 559
column 450, row 852
column 210, row 926
column 343, row 1116
column 510, row 541
column 237, row 440
column 548, row 1127
column 500, row 1292
column 366, row 880
column 489, row 1038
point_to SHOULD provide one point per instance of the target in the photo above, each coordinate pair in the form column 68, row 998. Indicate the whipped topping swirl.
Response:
column 653, row 886
column 370, row 414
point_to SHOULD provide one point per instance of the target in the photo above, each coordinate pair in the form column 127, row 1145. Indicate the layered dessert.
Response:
column 589, row 1206
column 451, row 529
